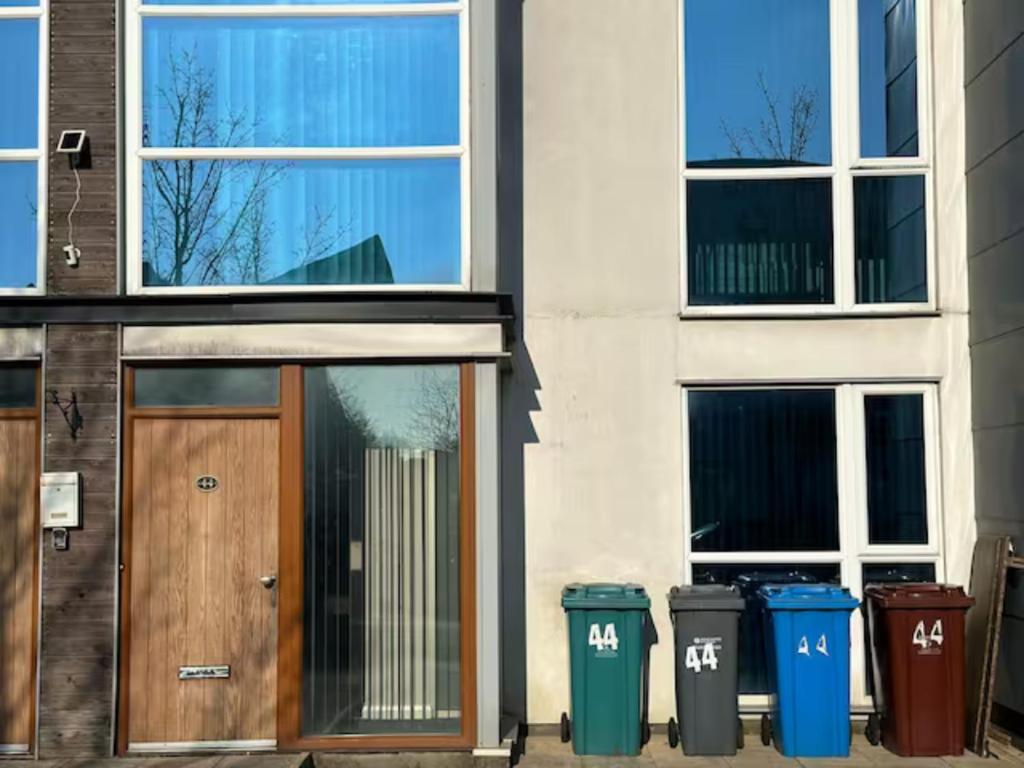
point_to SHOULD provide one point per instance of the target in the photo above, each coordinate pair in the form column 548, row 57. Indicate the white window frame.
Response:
column 39, row 154
column 136, row 153
column 847, row 163
column 854, row 550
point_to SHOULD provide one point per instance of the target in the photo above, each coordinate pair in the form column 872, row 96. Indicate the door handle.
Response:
column 268, row 582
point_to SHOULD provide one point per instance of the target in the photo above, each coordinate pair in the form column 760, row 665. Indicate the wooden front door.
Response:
column 203, row 534
column 18, row 492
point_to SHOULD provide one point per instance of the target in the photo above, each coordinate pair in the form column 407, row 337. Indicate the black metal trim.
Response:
column 361, row 307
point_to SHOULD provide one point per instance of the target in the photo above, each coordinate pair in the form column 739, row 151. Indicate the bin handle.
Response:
column 650, row 640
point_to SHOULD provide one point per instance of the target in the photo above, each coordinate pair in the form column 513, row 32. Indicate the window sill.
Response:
column 803, row 314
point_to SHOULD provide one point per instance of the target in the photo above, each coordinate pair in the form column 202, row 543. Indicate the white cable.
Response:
column 72, row 252
column 71, row 213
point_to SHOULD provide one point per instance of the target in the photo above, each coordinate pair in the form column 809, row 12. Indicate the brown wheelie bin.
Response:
column 917, row 652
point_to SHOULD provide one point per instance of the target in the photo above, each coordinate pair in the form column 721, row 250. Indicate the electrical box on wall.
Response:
column 59, row 494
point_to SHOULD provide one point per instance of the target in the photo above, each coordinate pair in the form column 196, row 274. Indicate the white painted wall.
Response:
column 603, row 481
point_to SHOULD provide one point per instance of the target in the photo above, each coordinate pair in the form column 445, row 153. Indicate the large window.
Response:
column 23, row 38
column 827, row 483
column 805, row 156
column 285, row 146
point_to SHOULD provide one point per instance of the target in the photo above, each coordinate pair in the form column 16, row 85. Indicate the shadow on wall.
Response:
column 520, row 384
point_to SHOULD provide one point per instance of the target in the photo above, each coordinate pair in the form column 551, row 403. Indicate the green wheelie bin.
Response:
column 610, row 636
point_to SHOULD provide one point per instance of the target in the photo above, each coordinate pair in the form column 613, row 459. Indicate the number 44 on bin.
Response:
column 703, row 654
column 606, row 642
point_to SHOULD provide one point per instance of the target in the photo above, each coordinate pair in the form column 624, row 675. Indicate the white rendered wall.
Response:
column 603, row 480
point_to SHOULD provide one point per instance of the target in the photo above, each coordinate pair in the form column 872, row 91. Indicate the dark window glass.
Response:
column 888, row 573
column 195, row 387
column 262, row 222
column 19, row 52
column 897, row 497
column 381, row 642
column 749, row 578
column 759, row 242
column 890, row 239
column 296, row 82
column 888, row 78
column 757, row 83
column 19, row 259
column 763, row 470
column 17, row 387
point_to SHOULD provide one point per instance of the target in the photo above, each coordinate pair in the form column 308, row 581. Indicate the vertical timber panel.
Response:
column 78, row 600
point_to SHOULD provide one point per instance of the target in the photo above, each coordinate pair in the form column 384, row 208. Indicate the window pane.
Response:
column 19, row 259
column 226, row 387
column 757, row 83
column 17, row 387
column 891, row 251
column 888, row 573
column 324, row 82
column 302, row 223
column 19, row 52
column 759, row 242
column 897, row 499
column 763, row 470
column 753, row 671
column 888, row 78
column 289, row 2
column 381, row 640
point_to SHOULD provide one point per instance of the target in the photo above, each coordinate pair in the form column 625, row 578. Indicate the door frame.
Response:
column 34, row 414
column 289, row 412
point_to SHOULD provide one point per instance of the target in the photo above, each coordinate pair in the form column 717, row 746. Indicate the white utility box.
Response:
column 59, row 499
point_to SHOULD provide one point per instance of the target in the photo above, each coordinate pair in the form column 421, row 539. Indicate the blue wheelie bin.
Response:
column 809, row 669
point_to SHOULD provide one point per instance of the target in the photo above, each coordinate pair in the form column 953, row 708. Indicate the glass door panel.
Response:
column 381, row 627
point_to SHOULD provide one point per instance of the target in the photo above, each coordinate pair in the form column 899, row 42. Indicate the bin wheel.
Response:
column 673, row 733
column 645, row 733
column 873, row 730
column 566, row 729
column 739, row 733
column 766, row 730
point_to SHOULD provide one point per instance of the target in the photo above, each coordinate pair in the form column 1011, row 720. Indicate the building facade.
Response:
column 251, row 331
column 994, row 70
column 363, row 328
column 745, row 347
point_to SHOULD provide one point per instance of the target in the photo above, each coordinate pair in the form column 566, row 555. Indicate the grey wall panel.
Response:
column 995, row 98
column 999, row 485
column 997, row 290
column 997, row 371
column 989, row 26
column 995, row 189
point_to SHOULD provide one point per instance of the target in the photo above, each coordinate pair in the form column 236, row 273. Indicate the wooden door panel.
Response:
column 18, row 461
column 196, row 599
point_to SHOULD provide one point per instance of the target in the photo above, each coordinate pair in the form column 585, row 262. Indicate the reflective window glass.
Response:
column 753, row 671
column 888, row 78
column 19, row 259
column 17, row 387
column 381, row 640
column 890, row 239
column 757, row 83
column 271, row 223
column 301, row 82
column 763, row 470
column 19, row 52
column 897, row 494
column 213, row 386
column 759, row 242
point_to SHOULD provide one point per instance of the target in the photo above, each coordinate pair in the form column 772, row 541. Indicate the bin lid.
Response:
column 919, row 595
column 605, row 596
column 808, row 597
column 705, row 597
